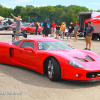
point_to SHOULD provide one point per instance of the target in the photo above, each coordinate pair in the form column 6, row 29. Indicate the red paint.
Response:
column 34, row 59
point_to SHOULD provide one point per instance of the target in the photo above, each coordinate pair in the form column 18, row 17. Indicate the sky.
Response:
column 91, row 4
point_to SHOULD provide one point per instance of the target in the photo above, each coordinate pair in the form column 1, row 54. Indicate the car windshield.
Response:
column 52, row 45
column 26, row 25
column 17, row 42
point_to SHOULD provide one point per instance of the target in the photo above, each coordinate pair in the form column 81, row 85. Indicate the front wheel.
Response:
column 40, row 33
column 14, row 31
column 54, row 71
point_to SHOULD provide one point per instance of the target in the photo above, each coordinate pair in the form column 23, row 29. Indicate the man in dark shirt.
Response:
column 46, row 28
column 58, row 29
column 89, row 32
column 70, row 30
column 36, row 25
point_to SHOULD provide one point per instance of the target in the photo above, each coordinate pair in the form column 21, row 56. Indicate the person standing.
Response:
column 77, row 28
column 89, row 32
column 18, row 25
column 62, row 30
column 70, row 30
column 36, row 27
column 53, row 28
column 46, row 28
column 58, row 29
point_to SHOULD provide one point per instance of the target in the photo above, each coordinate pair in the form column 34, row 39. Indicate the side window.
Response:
column 27, row 44
column 17, row 42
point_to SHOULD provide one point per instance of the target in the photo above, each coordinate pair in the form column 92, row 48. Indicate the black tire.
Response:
column 14, row 31
column 24, row 32
column 54, row 71
column 40, row 33
column 31, row 33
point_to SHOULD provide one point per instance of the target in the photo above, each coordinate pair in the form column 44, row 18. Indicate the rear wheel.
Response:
column 24, row 32
column 54, row 71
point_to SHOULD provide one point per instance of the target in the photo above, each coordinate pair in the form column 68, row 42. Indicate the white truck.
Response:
column 87, row 15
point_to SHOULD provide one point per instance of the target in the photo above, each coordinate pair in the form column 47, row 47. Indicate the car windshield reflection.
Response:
column 26, row 25
column 52, row 45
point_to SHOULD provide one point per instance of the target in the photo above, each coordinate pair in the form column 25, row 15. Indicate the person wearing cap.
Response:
column 70, row 30
column 18, row 25
column 89, row 32
column 77, row 28
column 58, row 25
column 46, row 28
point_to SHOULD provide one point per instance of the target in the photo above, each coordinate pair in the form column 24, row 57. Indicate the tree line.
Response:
column 30, row 13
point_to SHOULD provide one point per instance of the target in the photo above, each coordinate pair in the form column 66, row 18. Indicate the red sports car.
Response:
column 51, row 56
column 28, row 28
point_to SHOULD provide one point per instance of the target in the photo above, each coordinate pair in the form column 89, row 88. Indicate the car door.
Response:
column 27, row 57
column 33, row 29
column 29, row 27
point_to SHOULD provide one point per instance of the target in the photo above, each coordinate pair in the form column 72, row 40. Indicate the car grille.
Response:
column 93, row 74
column 86, row 59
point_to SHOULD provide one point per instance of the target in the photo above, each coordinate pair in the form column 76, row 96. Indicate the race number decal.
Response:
column 40, row 46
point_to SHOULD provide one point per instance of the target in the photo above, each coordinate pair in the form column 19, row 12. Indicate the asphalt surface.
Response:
column 18, row 83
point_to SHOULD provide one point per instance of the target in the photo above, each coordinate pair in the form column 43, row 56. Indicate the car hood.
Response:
column 69, row 53
column 86, row 58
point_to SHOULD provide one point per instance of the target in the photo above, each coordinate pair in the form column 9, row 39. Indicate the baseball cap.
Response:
column 46, row 19
column 89, row 22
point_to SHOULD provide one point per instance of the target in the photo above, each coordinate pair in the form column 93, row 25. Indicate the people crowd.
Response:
column 59, row 29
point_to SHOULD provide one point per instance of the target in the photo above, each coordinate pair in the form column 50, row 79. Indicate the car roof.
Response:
column 41, row 39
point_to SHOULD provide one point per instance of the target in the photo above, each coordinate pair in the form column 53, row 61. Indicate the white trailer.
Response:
column 87, row 15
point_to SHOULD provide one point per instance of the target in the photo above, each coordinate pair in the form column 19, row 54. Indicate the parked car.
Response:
column 1, row 27
column 12, row 27
column 4, row 26
column 80, row 34
column 28, row 28
column 52, row 57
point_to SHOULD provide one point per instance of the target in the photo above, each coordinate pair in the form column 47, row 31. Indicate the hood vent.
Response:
column 86, row 59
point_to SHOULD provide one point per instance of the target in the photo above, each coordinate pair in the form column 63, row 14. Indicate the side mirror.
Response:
column 70, row 46
column 29, row 49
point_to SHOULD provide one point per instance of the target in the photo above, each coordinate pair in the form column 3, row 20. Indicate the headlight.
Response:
column 75, row 64
column 99, row 58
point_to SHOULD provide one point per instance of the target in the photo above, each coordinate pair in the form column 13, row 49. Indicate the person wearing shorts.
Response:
column 89, row 32
column 77, row 28
column 58, row 29
column 18, row 25
column 70, row 30
column 46, row 28
column 62, row 30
